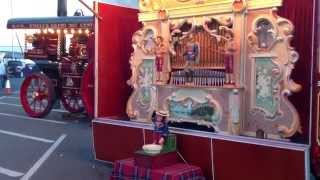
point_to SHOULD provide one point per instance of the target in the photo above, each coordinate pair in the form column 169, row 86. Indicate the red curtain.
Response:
column 301, row 14
column 115, row 33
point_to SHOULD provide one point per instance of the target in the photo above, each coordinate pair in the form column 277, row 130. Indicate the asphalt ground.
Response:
column 57, row 147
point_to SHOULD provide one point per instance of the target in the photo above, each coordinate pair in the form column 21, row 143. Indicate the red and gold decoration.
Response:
column 226, row 83
column 60, row 65
column 239, row 5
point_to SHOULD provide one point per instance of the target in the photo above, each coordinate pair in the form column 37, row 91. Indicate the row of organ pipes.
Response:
column 211, row 70
column 211, row 52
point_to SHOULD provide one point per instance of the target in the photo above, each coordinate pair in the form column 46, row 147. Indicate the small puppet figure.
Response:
column 192, row 51
column 161, row 129
column 192, row 57
column 160, row 51
column 229, row 59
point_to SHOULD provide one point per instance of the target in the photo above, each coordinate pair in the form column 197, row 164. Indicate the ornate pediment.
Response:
column 180, row 8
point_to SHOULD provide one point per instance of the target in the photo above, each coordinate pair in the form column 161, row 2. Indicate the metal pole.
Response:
column 61, row 11
column 62, row 8
column 90, row 9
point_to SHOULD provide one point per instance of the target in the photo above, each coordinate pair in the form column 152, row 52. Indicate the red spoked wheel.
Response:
column 72, row 101
column 87, row 89
column 37, row 95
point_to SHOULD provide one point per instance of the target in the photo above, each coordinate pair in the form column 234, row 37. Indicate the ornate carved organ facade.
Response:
column 224, row 64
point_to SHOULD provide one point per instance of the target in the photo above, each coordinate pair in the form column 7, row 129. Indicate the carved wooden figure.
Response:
column 160, row 51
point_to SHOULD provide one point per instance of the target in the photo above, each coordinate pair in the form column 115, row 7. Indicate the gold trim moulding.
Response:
column 261, row 4
column 200, row 10
column 148, row 16
column 213, row 8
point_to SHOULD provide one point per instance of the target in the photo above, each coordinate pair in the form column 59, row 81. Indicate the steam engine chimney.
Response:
column 61, row 11
column 62, row 8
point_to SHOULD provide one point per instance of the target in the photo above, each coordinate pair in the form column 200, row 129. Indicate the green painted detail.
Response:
column 266, row 82
column 170, row 144
column 186, row 110
column 145, row 81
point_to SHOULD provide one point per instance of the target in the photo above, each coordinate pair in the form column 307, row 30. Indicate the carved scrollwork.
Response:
column 148, row 43
column 286, row 25
column 264, row 35
column 285, row 131
column 139, row 76
column 180, row 29
column 134, row 62
column 289, row 84
column 272, row 35
column 214, row 25
column 144, row 39
column 222, row 21
column 286, row 28
column 239, row 5
column 143, row 72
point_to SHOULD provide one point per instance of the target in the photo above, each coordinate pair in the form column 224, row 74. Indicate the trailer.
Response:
column 248, row 113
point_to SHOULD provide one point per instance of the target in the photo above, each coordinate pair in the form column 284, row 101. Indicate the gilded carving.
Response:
column 197, row 8
column 239, row 5
column 207, row 40
column 143, row 61
column 135, row 63
column 289, row 131
column 271, row 37
column 264, row 35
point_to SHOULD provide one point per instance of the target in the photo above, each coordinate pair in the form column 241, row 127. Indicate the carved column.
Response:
column 234, row 113
column 165, row 33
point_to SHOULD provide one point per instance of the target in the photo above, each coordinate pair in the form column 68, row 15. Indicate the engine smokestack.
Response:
column 62, row 8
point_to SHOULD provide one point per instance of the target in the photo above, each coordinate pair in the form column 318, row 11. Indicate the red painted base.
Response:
column 162, row 160
column 220, row 157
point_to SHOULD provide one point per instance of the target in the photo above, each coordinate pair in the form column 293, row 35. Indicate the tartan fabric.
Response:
column 126, row 170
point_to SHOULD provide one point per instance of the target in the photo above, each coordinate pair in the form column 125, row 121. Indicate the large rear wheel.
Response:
column 72, row 101
column 37, row 95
